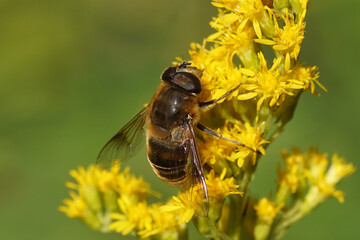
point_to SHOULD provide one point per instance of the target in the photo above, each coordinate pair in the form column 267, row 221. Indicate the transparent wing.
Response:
column 196, row 190
column 126, row 143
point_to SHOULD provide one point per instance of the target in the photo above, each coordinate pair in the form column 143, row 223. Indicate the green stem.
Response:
column 245, row 182
column 234, row 227
column 237, row 204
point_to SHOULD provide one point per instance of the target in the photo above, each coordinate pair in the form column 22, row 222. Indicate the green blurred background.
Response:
column 73, row 72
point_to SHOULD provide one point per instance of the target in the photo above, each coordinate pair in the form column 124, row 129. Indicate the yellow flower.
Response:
column 321, row 180
column 275, row 85
column 96, row 193
column 134, row 216
column 148, row 220
column 293, row 171
column 324, row 180
column 305, row 78
column 291, row 177
column 267, row 83
column 164, row 223
column 266, row 210
column 131, row 185
column 102, row 180
column 219, row 73
column 74, row 207
column 287, row 40
column 213, row 149
column 209, row 152
column 191, row 203
column 338, row 169
column 250, row 10
column 77, row 207
column 236, row 36
column 248, row 135
column 182, row 206
column 220, row 187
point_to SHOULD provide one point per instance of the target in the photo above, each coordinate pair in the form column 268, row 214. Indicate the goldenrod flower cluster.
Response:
column 113, row 200
column 256, row 43
column 305, row 181
column 95, row 194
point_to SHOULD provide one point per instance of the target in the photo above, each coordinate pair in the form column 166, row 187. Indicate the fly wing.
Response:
column 126, row 143
column 196, row 190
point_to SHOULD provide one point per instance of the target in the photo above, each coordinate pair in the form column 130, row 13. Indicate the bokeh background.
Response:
column 73, row 72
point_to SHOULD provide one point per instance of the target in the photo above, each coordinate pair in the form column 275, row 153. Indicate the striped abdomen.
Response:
column 169, row 161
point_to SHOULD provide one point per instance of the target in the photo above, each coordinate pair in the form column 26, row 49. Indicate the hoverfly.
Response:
column 169, row 121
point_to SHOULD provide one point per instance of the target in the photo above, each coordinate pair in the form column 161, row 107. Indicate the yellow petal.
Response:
column 219, row 5
column 71, row 185
column 280, row 47
column 287, row 62
column 223, row 173
column 240, row 162
column 213, row 36
column 247, row 96
column 260, row 102
column 276, row 63
column 320, row 85
column 169, row 208
column 242, row 25
column 247, row 72
column 257, row 28
column 265, row 41
column 230, row 18
column 187, row 216
column 273, row 101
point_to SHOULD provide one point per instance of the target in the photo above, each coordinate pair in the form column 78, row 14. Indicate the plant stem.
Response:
column 290, row 217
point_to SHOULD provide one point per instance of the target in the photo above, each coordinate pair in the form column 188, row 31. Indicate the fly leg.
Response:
column 214, row 101
column 211, row 132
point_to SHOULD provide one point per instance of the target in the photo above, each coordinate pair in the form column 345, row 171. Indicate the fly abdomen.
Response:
column 173, row 177
column 169, row 161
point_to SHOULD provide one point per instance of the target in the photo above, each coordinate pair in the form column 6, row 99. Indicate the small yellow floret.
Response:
column 266, row 209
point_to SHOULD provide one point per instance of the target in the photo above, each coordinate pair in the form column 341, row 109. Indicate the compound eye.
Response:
column 168, row 74
column 188, row 82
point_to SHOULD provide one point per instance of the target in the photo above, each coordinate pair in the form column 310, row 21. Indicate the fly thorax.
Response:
column 170, row 108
